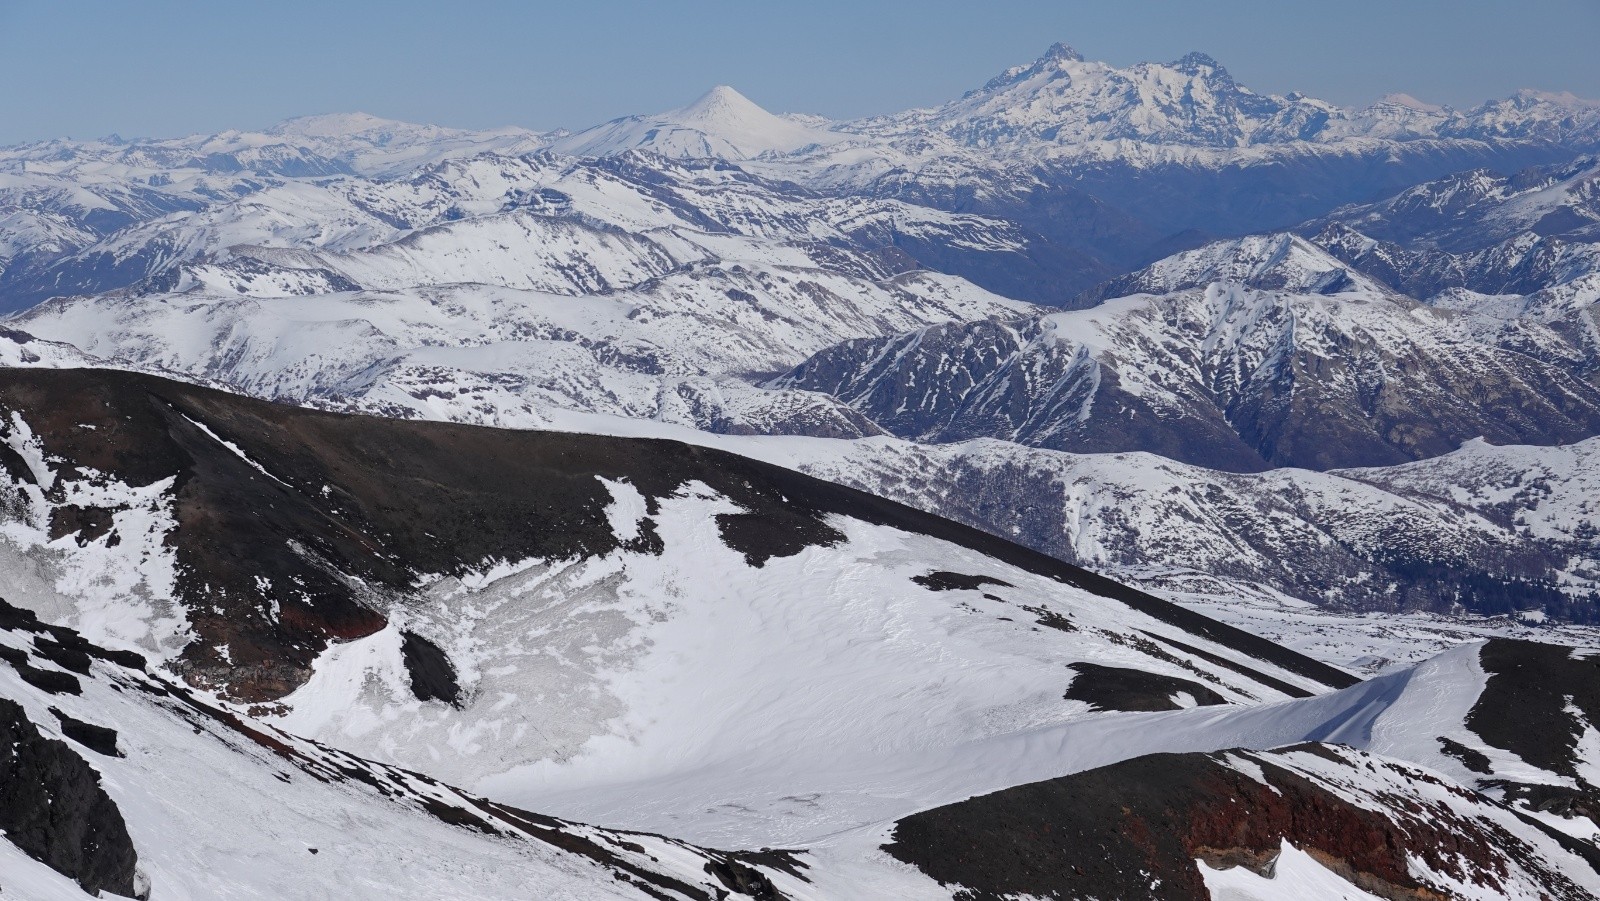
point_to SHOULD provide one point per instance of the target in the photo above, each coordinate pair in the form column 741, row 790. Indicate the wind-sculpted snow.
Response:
column 1307, row 821
column 1327, row 816
column 313, row 816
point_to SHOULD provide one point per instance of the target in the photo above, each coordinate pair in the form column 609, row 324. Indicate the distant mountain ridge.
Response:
column 1250, row 282
column 1088, row 156
column 1241, row 355
column 1114, row 482
column 1062, row 99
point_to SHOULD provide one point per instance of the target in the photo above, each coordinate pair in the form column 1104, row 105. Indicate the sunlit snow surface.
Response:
column 692, row 693
column 118, row 593
column 217, row 816
column 1295, row 875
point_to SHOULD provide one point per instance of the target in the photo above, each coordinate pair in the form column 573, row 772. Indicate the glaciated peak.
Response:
column 722, row 124
column 1196, row 63
column 1055, row 103
column 1060, row 52
column 723, row 101
column 1050, row 64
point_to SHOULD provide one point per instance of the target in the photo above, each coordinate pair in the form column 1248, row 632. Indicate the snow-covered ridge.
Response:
column 540, row 290
column 1231, row 365
column 1500, row 528
column 1280, row 262
column 1469, row 211
column 341, row 142
column 635, row 287
column 1063, row 101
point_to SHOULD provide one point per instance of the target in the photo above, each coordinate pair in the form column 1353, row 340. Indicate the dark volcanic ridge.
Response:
column 1136, row 829
column 349, row 511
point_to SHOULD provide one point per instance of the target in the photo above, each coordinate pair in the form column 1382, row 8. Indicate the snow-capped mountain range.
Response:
column 1491, row 529
column 1083, row 154
column 1064, row 105
column 1468, row 211
column 582, row 494
column 1064, row 100
column 751, row 293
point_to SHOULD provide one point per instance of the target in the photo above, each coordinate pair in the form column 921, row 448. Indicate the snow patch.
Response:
column 626, row 510
column 1295, row 874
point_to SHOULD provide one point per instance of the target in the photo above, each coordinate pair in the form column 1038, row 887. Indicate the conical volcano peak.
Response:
column 730, row 114
column 722, row 123
column 724, row 100
column 724, row 107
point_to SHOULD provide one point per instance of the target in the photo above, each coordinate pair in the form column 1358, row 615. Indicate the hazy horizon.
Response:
column 164, row 69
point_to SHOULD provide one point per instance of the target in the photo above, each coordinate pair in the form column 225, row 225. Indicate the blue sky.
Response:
column 85, row 68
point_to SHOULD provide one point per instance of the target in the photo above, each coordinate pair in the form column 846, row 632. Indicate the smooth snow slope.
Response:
column 222, row 808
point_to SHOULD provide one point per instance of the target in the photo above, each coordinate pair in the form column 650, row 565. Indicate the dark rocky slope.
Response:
column 54, row 809
column 1136, row 829
column 351, row 510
